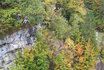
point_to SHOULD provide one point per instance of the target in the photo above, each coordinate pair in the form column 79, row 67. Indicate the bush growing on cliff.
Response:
column 44, row 56
column 34, row 9
column 50, row 53
column 68, row 40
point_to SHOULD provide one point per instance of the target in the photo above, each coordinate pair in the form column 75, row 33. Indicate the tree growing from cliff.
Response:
column 68, row 40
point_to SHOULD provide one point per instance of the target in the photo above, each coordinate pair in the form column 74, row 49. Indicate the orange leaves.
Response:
column 80, row 52
column 64, row 46
column 98, row 2
column 79, row 49
column 80, row 59
column 28, row 54
column 86, row 56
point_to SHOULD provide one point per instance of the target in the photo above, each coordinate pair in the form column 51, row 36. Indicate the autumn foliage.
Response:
column 79, row 49
column 66, row 39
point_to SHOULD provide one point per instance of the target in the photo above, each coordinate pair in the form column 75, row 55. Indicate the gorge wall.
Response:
column 10, row 44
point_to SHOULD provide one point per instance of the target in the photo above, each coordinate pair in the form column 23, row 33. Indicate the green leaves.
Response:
column 10, row 9
column 34, row 9
column 8, row 19
column 76, row 19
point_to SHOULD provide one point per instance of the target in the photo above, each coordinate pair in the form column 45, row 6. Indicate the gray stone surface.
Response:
column 100, row 65
column 10, row 45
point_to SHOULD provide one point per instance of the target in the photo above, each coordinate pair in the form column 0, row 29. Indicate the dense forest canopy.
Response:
column 69, row 40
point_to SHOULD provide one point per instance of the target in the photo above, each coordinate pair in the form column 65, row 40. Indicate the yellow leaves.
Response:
column 47, row 18
column 28, row 55
column 20, row 28
column 46, row 35
column 71, row 5
column 69, row 48
column 24, row 56
column 69, row 65
column 69, row 51
column 37, row 42
column 57, row 64
column 50, row 3
column 77, row 18
column 81, row 10
column 26, row 50
column 68, row 61
column 69, row 42
column 47, row 1
column 88, row 47
column 31, row 57
column 78, row 5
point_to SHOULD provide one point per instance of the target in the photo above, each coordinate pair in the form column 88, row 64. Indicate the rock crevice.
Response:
column 10, row 45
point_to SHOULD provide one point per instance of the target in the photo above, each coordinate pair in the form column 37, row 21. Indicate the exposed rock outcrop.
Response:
column 10, row 45
column 100, row 65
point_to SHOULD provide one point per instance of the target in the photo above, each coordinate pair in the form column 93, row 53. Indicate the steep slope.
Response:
column 10, row 45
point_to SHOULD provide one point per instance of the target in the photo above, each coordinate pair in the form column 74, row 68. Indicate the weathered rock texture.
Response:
column 100, row 65
column 10, row 45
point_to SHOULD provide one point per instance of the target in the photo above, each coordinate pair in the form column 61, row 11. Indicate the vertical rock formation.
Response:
column 100, row 65
column 10, row 45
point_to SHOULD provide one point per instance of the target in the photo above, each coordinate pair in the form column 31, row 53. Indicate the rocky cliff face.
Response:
column 10, row 45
